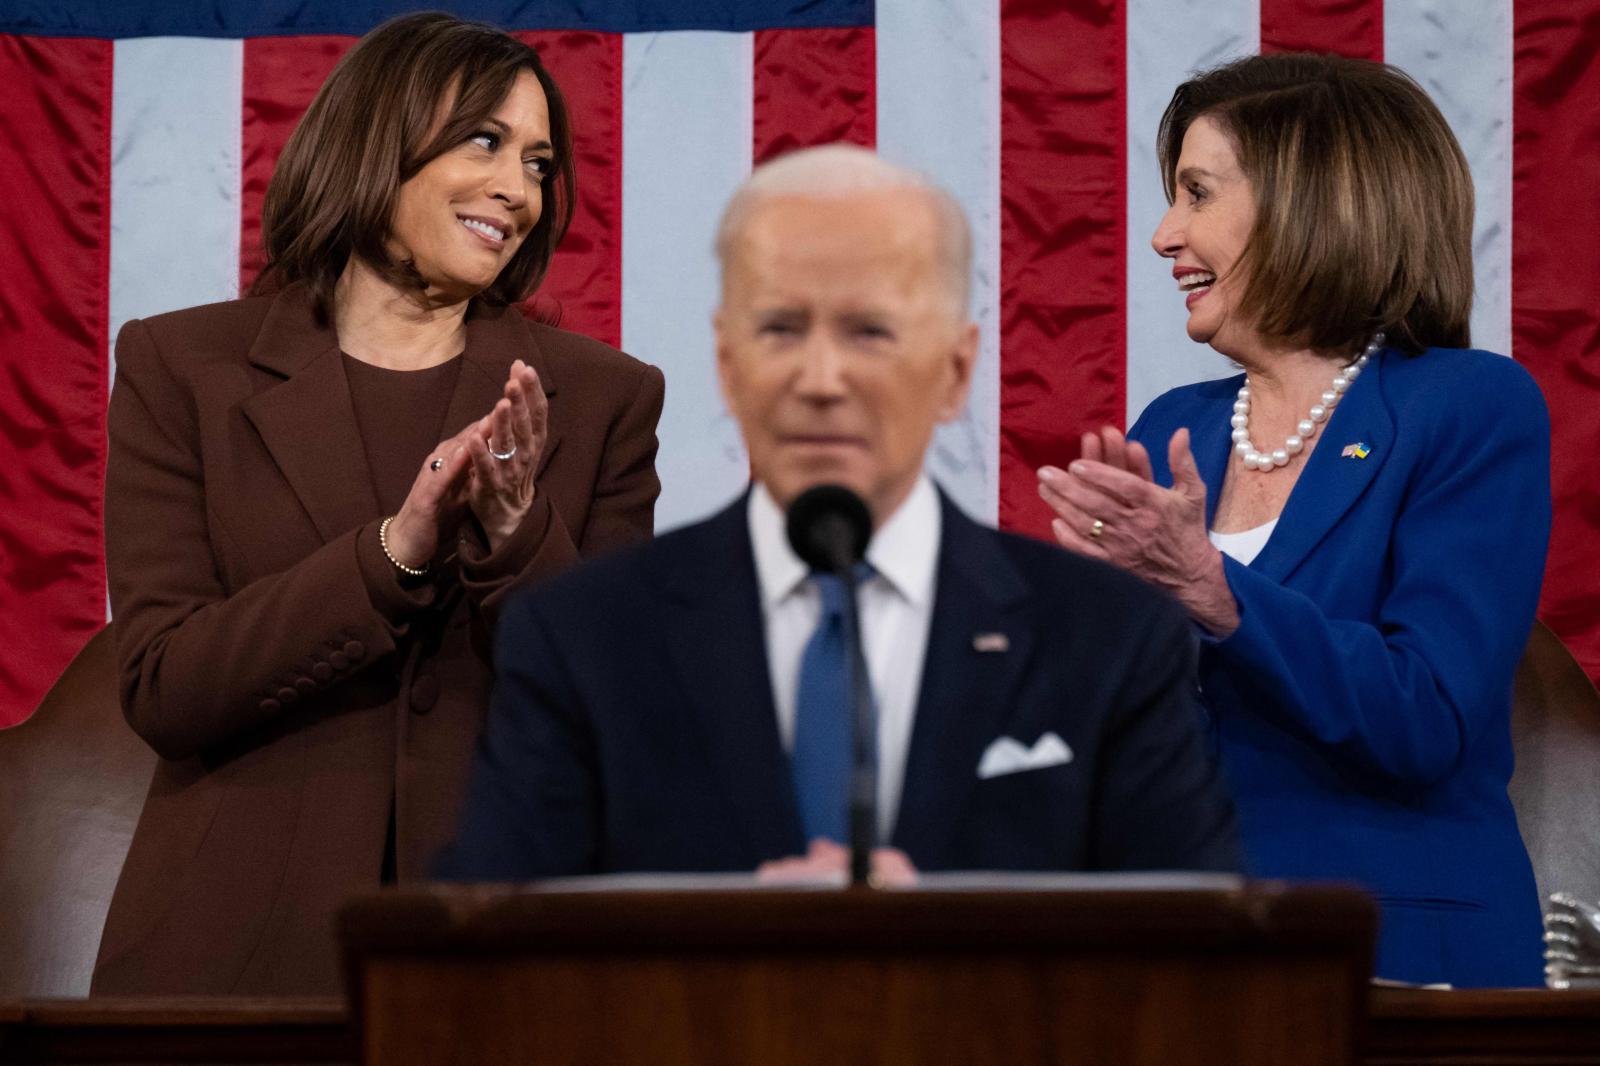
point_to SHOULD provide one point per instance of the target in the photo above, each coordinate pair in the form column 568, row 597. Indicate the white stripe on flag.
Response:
column 1168, row 40
column 939, row 112
column 686, row 144
column 1462, row 55
column 175, row 122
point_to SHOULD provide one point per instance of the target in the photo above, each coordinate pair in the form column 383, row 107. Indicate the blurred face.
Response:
column 1205, row 231
column 839, row 345
column 462, row 217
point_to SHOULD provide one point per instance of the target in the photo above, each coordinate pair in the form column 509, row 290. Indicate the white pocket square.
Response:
column 1008, row 756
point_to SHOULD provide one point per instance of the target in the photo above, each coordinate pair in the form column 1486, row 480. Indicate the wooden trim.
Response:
column 176, row 1030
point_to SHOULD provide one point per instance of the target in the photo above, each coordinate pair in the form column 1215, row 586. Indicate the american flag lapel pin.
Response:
column 1358, row 450
column 991, row 642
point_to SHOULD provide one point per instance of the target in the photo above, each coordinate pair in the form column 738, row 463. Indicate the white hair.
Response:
column 837, row 170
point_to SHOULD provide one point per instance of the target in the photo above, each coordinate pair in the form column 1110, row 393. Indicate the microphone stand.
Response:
column 829, row 527
column 864, row 769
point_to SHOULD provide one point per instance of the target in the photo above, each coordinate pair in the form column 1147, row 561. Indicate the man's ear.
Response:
column 963, row 358
column 719, row 332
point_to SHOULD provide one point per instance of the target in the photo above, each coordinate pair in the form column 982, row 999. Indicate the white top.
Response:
column 1246, row 544
column 896, row 606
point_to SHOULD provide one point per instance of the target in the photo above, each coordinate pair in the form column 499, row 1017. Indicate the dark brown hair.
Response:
column 409, row 91
column 1363, row 200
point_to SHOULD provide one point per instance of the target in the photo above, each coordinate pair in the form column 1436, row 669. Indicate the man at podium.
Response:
column 687, row 706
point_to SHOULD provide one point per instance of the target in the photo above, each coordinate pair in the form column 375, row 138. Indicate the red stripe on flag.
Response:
column 1555, row 326
column 584, row 287
column 281, row 78
column 1063, row 166
column 814, row 87
column 55, row 168
column 1348, row 27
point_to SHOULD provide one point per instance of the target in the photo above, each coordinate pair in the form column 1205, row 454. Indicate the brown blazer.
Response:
column 296, row 691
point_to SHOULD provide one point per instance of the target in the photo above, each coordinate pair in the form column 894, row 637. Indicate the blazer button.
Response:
column 355, row 651
column 305, row 685
column 339, row 661
column 270, row 706
column 424, row 693
column 287, row 695
column 322, row 672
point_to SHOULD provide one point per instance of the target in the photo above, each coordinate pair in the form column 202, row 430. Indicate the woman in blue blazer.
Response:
column 1357, row 524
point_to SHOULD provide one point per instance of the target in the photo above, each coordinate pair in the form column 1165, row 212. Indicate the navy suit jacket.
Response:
column 633, row 728
column 1362, row 708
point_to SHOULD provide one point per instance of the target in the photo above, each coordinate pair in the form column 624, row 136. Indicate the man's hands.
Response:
column 829, row 862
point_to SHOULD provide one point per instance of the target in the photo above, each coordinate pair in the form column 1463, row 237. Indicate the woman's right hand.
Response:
column 435, row 505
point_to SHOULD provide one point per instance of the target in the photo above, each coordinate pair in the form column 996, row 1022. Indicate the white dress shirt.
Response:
column 896, row 606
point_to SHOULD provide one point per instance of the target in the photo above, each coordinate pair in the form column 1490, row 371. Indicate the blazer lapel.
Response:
column 307, row 422
column 1331, row 481
column 717, row 640
column 967, row 693
column 497, row 337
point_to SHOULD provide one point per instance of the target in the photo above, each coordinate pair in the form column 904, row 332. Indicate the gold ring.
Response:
column 1098, row 528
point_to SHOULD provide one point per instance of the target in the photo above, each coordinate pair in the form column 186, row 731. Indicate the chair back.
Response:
column 1555, row 730
column 72, row 782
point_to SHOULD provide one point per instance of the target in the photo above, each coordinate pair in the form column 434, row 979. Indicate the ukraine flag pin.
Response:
column 1358, row 450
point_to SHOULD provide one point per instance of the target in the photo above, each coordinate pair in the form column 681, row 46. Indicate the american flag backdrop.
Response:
column 136, row 141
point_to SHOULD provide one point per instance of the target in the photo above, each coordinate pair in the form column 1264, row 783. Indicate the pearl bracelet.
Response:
column 383, row 542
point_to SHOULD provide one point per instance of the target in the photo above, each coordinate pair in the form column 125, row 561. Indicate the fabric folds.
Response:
column 1063, row 119
column 55, row 148
column 813, row 87
column 1555, row 325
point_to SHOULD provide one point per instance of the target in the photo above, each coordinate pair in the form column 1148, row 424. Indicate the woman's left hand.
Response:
column 1109, row 507
column 501, row 491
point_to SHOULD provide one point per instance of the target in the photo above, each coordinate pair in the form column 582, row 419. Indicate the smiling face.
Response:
column 839, row 342
column 461, row 218
column 1204, row 233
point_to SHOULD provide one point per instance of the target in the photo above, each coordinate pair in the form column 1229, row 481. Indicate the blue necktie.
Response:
column 822, row 722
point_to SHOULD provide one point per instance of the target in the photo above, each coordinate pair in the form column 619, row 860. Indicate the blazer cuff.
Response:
column 1248, row 588
column 483, row 566
column 389, row 596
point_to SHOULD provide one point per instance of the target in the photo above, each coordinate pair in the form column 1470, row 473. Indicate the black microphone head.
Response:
column 829, row 527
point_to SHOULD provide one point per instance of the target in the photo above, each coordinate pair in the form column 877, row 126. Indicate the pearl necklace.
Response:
column 1255, row 459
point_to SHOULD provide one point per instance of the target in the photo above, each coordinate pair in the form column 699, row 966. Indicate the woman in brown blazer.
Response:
column 317, row 498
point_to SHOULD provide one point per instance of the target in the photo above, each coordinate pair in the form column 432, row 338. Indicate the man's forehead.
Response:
column 865, row 231
column 900, row 218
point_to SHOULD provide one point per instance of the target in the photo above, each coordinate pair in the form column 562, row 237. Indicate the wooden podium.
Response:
column 1236, row 973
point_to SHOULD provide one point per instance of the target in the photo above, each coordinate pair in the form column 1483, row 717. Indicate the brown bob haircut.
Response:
column 1363, row 200
column 408, row 92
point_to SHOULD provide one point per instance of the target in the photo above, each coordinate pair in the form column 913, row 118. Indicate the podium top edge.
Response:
column 516, row 919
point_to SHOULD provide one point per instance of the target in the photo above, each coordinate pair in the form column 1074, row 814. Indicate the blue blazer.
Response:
column 633, row 728
column 1362, row 708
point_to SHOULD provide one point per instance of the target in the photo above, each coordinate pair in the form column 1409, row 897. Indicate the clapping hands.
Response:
column 1108, row 506
column 487, row 469
column 504, row 452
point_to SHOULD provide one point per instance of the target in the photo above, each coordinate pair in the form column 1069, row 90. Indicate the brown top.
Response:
column 400, row 414
column 401, row 417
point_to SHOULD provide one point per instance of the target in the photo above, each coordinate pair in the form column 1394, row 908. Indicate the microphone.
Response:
column 829, row 528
